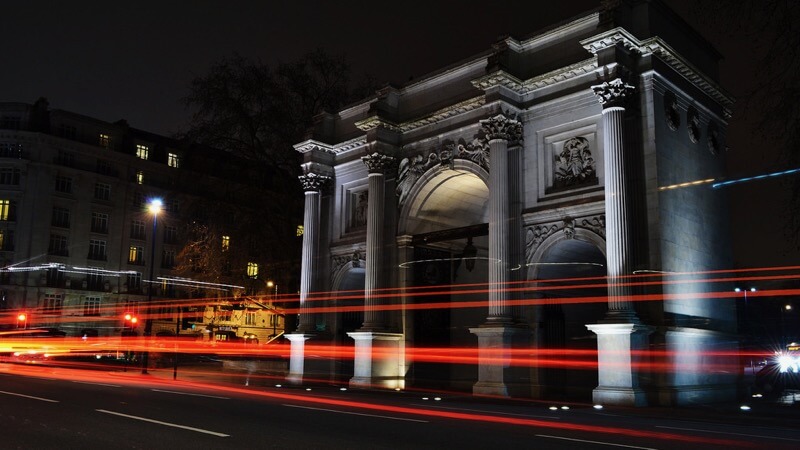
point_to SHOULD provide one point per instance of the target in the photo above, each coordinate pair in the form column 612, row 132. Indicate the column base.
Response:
column 618, row 349
column 497, row 376
column 300, row 369
column 378, row 360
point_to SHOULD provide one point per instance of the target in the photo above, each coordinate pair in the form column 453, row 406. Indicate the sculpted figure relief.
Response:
column 574, row 164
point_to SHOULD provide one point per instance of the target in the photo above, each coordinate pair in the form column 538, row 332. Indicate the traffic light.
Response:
column 130, row 320
column 22, row 320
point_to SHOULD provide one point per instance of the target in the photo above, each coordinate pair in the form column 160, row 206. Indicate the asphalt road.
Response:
column 50, row 407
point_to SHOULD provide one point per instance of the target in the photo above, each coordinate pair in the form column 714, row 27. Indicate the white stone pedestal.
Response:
column 618, row 376
column 496, row 375
column 297, row 356
column 378, row 360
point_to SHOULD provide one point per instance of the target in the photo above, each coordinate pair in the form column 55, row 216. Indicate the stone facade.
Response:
column 546, row 159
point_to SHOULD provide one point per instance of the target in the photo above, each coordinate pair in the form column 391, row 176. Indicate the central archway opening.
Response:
column 447, row 219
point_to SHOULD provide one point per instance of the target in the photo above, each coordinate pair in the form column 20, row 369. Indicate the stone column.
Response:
column 496, row 376
column 620, row 336
column 378, row 352
column 312, row 185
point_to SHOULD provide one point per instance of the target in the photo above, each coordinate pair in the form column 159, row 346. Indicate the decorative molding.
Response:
column 656, row 46
column 503, row 127
column 499, row 78
column 535, row 235
column 411, row 168
column 445, row 113
column 671, row 112
column 312, row 145
column 340, row 261
column 379, row 162
column 372, row 122
column 612, row 93
column 313, row 182
column 712, row 138
column 559, row 75
column 693, row 124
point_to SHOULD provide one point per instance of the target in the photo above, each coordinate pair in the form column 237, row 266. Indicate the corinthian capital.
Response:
column 502, row 127
column 378, row 162
column 612, row 93
column 313, row 182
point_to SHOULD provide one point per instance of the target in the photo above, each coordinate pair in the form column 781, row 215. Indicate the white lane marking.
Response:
column 492, row 412
column 174, row 425
column 189, row 393
column 96, row 384
column 593, row 442
column 29, row 396
column 356, row 414
column 726, row 432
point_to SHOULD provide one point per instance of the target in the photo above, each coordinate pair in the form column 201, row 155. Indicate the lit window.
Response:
column 226, row 243
column 136, row 255
column 104, row 140
column 142, row 151
column 139, row 177
column 252, row 270
column 5, row 207
column 7, row 240
column 173, row 160
column 299, row 230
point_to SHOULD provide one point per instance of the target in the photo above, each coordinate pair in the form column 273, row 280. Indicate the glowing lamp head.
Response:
column 155, row 206
column 128, row 317
column 134, row 320
column 22, row 317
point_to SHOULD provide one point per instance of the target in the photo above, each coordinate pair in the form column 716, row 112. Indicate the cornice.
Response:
column 499, row 78
column 445, row 113
column 559, row 75
column 372, row 122
column 312, row 145
column 656, row 46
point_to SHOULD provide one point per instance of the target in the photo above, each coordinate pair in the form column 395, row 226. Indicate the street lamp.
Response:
column 154, row 207
column 785, row 309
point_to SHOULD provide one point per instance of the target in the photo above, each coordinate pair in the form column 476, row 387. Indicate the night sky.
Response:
column 135, row 60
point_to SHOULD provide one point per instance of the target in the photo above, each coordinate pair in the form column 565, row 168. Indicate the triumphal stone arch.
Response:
column 468, row 229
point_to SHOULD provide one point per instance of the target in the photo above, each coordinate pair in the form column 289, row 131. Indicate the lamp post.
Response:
column 154, row 207
column 746, row 307
column 785, row 309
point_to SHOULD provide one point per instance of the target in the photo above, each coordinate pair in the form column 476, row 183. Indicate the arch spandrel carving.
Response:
column 539, row 237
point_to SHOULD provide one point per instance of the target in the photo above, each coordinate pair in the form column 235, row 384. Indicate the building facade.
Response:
column 78, row 244
column 524, row 193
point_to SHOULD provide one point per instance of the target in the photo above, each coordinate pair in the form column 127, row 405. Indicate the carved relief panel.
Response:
column 570, row 160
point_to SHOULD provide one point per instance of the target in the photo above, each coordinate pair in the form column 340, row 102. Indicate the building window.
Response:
column 104, row 140
column 170, row 235
column 105, row 168
column 173, row 206
column 97, row 249
column 58, row 245
column 67, row 131
column 226, row 243
column 139, row 177
column 173, row 160
column 102, row 191
column 64, row 184
column 66, row 159
column 7, row 240
column 8, row 210
column 138, row 199
column 274, row 320
column 55, row 277
column 10, row 150
column 252, row 270
column 51, row 304
column 137, row 229
column 94, row 280
column 99, row 223
column 250, row 318
column 168, row 259
column 91, row 306
column 61, row 217
column 9, row 176
column 136, row 255
column 134, row 282
column 10, row 122
column 142, row 151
